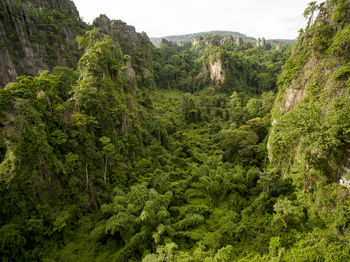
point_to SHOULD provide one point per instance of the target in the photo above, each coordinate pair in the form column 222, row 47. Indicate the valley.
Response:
column 216, row 149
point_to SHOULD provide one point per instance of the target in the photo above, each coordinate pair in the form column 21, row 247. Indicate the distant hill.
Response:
column 189, row 37
column 287, row 42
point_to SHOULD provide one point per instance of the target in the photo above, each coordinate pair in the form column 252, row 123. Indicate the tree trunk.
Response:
column 306, row 183
column 49, row 102
column 105, row 174
column 87, row 177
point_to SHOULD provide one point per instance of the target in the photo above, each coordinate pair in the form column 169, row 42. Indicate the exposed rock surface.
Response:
column 197, row 40
column 41, row 34
column 126, row 34
column 278, row 47
column 193, row 38
column 213, row 40
column 260, row 42
column 132, row 44
column 344, row 171
column 213, row 72
column 37, row 36
column 239, row 41
column 226, row 39
column 216, row 71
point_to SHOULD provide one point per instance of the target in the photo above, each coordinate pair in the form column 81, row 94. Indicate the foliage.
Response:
column 139, row 155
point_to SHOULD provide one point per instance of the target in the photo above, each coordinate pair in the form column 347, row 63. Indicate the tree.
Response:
column 108, row 151
column 235, row 108
column 310, row 11
column 253, row 108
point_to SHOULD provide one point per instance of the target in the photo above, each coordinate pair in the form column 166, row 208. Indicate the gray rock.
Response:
column 28, row 43
column 260, row 42
column 278, row 47
column 125, row 34
column 239, row 41
column 226, row 39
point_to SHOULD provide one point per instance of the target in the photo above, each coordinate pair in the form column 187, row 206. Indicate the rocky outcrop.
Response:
column 212, row 40
column 41, row 34
column 239, row 41
column 212, row 74
column 37, row 35
column 197, row 40
column 260, row 42
column 216, row 73
column 226, row 39
column 344, row 171
column 133, row 44
column 278, row 47
column 165, row 44
column 126, row 34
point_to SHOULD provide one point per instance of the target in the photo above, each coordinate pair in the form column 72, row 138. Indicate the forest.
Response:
column 210, row 152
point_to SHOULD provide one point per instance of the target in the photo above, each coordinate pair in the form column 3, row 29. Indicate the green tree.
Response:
column 108, row 151
column 310, row 11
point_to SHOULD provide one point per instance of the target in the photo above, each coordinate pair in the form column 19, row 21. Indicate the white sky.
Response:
column 256, row 18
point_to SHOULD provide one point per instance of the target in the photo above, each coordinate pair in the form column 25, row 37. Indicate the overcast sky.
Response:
column 256, row 18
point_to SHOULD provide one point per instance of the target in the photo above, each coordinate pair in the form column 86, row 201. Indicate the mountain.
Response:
column 190, row 37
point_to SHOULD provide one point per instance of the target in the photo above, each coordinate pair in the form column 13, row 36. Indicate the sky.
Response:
column 272, row 19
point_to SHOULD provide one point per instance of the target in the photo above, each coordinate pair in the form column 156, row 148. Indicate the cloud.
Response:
column 291, row 19
column 269, row 18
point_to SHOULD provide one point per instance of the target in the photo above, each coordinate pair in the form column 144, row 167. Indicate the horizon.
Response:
column 222, row 31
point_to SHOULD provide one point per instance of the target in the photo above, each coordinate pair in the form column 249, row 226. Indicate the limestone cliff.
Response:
column 126, row 34
column 41, row 34
column 260, row 42
column 311, row 115
column 212, row 74
column 216, row 73
column 37, row 35
column 212, row 40
column 137, row 45
column 239, row 41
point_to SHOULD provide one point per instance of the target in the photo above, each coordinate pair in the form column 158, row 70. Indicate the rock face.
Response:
column 131, row 43
column 216, row 72
column 213, row 73
column 260, row 42
column 226, row 39
column 165, row 43
column 197, row 40
column 344, row 171
column 278, row 47
column 213, row 40
column 126, row 34
column 239, row 41
column 41, row 34
column 37, row 36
